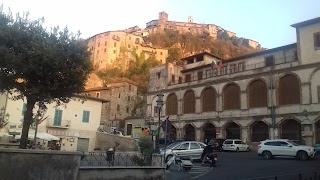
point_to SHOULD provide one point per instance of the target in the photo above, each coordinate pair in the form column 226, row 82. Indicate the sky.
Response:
column 265, row 21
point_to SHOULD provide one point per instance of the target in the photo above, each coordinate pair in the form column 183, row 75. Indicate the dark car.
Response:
column 217, row 143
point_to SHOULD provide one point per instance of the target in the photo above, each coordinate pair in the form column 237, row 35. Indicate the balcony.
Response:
column 64, row 124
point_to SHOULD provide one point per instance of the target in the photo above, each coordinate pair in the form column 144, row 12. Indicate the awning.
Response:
column 40, row 135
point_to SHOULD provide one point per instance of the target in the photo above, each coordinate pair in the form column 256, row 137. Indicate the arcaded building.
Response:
column 269, row 94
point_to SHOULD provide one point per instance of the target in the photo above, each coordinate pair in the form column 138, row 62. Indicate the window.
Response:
column 233, row 68
column 97, row 51
column 231, row 97
column 173, row 78
column 128, row 98
column 228, row 142
column 285, row 97
column 97, row 94
column 316, row 40
column 200, row 75
column 275, row 143
column 114, row 51
column 129, row 87
column 180, row 80
column 105, row 43
column 160, row 53
column 119, row 95
column 188, row 78
column 258, row 94
column 237, row 142
column 57, row 117
column 283, row 143
column 172, row 105
column 189, row 102
column 115, row 44
column 241, row 67
column 318, row 94
column 118, row 107
column 194, row 146
column 158, row 75
column 184, row 146
column 208, row 99
column 129, row 46
column 98, row 44
column 85, row 116
column 24, row 108
column 127, row 109
column 224, row 70
column 269, row 61
column 208, row 73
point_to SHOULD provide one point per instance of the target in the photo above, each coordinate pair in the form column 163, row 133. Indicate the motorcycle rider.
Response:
column 207, row 150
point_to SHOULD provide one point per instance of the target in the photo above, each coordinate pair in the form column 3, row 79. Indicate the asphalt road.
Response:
column 247, row 165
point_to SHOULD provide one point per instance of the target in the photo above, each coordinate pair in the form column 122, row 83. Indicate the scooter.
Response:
column 211, row 159
column 181, row 161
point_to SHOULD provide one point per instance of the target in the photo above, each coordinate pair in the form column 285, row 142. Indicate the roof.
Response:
column 201, row 54
column 306, row 23
column 91, row 98
column 97, row 89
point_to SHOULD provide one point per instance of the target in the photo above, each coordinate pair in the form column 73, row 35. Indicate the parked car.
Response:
column 235, row 145
column 317, row 148
column 218, row 143
column 186, row 148
column 284, row 147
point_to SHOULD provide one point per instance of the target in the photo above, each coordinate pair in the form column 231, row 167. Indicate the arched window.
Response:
column 208, row 98
column 172, row 105
column 231, row 97
column 289, row 90
column 258, row 94
column 189, row 102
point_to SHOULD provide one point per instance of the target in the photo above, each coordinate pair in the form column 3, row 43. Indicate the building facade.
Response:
column 108, row 46
column 213, row 30
column 75, row 124
column 269, row 94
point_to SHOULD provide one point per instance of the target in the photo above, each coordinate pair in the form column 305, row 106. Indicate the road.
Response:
column 247, row 165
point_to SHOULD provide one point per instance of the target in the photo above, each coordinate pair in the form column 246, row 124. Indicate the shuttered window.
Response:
column 231, row 97
column 172, row 105
column 258, row 94
column 86, row 116
column 289, row 90
column 57, row 117
column 208, row 98
column 189, row 102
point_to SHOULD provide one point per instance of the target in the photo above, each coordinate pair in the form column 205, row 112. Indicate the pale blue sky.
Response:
column 266, row 21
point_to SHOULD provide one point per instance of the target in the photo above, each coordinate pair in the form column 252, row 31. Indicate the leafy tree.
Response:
column 174, row 55
column 38, row 65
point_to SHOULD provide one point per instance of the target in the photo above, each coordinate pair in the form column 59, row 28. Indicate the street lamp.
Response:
column 159, row 105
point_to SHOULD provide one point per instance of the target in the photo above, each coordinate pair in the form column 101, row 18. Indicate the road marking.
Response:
column 199, row 170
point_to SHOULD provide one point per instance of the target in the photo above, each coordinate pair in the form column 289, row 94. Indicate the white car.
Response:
column 284, row 147
column 235, row 145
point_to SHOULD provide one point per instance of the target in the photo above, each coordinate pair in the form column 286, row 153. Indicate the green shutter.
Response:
column 24, row 108
column 57, row 117
column 86, row 116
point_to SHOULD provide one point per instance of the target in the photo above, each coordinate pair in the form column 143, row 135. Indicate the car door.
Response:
column 285, row 149
column 183, row 149
column 195, row 150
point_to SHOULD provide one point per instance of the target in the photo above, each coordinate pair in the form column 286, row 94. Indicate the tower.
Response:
column 190, row 19
column 163, row 18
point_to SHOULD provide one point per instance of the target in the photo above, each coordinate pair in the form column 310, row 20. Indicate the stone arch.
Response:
column 208, row 99
column 189, row 102
column 172, row 104
column 189, row 132
column 314, row 85
column 257, row 92
column 259, row 131
column 291, row 129
column 208, row 130
column 289, row 81
column 231, row 96
column 173, row 132
column 232, row 130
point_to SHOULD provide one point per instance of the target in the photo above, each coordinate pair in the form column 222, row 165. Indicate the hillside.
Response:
column 183, row 45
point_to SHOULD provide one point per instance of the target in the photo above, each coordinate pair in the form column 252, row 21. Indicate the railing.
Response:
column 301, row 176
column 63, row 124
column 120, row 159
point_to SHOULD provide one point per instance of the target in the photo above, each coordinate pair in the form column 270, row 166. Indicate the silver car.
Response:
column 185, row 148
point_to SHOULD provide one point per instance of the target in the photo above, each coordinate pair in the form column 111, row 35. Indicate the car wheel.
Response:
column 237, row 150
column 169, row 157
column 302, row 155
column 266, row 155
column 248, row 149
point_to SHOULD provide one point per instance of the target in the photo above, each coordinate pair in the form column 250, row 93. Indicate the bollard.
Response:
column 110, row 156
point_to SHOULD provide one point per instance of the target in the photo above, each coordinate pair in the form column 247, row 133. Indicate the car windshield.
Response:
column 172, row 145
column 293, row 143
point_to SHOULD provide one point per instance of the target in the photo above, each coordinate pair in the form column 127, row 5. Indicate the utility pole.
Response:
column 272, row 102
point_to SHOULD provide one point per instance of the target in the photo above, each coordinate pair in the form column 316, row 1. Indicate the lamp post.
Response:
column 159, row 105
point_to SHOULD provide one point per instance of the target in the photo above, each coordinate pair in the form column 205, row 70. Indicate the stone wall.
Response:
column 105, row 141
column 17, row 164
column 119, row 173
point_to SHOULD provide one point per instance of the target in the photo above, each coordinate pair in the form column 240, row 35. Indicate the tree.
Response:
column 38, row 65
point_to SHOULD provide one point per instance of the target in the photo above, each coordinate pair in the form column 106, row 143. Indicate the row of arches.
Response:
column 288, row 92
column 259, row 131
